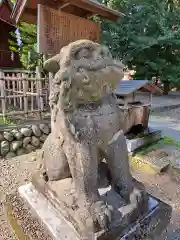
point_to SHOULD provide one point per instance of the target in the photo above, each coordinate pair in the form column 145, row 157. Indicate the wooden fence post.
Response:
column 39, row 92
column 25, row 89
column 3, row 100
column 14, row 89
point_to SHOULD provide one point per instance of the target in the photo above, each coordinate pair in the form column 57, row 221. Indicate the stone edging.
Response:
column 164, row 108
column 22, row 140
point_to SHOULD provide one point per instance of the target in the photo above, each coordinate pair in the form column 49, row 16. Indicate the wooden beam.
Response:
column 29, row 18
column 89, row 15
column 18, row 10
column 95, row 8
column 30, row 11
column 63, row 6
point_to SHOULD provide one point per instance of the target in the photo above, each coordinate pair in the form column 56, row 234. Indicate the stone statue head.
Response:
column 84, row 71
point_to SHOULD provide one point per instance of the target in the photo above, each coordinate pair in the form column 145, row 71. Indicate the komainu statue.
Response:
column 87, row 146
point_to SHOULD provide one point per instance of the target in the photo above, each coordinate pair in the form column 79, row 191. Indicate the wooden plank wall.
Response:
column 57, row 29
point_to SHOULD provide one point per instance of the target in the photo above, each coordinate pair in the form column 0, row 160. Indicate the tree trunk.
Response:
column 166, row 88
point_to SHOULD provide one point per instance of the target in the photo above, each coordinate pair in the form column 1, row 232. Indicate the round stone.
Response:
column 35, row 141
column 30, row 148
column 36, row 131
column 43, row 138
column 10, row 155
column 41, row 144
column 4, row 147
column 27, row 132
column 1, row 137
column 44, row 128
column 17, row 134
column 26, row 141
column 15, row 145
column 8, row 136
column 21, row 151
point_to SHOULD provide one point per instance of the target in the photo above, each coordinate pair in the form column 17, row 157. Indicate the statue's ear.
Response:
column 52, row 64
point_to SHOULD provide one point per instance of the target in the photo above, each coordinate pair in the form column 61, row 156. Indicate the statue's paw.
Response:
column 137, row 196
column 101, row 214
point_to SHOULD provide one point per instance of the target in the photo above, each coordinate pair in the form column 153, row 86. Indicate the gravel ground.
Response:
column 17, row 171
column 174, row 114
column 13, row 173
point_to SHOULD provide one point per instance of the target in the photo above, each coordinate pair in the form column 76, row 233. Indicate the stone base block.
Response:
column 152, row 136
column 149, row 226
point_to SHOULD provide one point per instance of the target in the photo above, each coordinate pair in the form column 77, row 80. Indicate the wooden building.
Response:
column 7, row 58
column 26, row 10
column 60, row 22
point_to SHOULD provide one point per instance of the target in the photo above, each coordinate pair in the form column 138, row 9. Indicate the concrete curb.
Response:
column 164, row 108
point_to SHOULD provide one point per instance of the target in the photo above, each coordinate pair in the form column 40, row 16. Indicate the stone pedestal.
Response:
column 136, row 143
column 49, row 220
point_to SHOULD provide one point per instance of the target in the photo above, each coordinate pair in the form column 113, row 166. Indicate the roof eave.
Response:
column 100, row 10
column 17, row 10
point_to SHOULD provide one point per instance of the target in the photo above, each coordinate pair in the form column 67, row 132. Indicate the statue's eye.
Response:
column 83, row 53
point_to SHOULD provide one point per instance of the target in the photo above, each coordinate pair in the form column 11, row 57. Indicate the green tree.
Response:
column 25, row 41
column 146, row 39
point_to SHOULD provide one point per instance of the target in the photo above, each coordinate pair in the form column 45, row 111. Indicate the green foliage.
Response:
column 24, row 42
column 165, row 141
column 146, row 39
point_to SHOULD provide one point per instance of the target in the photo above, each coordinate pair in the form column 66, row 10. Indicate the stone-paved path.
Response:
column 169, row 127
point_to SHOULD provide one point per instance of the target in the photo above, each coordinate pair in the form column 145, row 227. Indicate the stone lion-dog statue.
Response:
column 87, row 127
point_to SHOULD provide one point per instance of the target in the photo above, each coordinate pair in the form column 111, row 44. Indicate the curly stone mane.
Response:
column 83, row 74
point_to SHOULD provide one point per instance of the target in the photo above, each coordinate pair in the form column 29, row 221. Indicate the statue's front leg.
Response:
column 83, row 163
column 118, row 163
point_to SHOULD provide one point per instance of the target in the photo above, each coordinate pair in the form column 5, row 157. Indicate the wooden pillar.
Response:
column 39, row 92
column 25, row 90
column 3, row 100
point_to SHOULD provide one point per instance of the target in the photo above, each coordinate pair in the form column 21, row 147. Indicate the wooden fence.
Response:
column 23, row 93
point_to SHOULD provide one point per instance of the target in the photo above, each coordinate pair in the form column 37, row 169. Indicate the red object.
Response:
column 6, row 25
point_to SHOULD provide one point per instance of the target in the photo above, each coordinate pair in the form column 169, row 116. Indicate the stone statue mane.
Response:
column 87, row 129
column 83, row 69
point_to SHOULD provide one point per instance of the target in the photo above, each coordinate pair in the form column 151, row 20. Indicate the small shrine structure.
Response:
column 134, row 98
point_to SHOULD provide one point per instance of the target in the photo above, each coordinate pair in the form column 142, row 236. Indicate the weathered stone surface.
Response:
column 136, row 143
column 8, row 136
column 10, row 155
column 21, row 151
column 27, row 132
column 44, row 128
column 30, row 148
column 36, row 130
column 15, row 145
column 5, row 146
column 17, row 134
column 1, row 137
column 43, row 138
column 41, row 144
column 85, row 117
column 148, row 226
column 35, row 141
column 26, row 141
